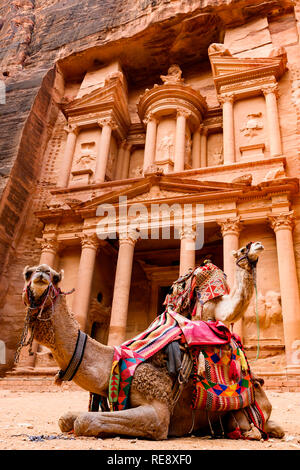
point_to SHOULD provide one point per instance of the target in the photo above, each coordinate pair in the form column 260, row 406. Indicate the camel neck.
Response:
column 62, row 342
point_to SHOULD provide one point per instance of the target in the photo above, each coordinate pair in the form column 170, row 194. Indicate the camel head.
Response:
column 38, row 279
column 247, row 256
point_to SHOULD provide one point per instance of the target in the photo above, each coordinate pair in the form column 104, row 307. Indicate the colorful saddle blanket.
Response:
column 224, row 382
column 222, row 379
column 204, row 283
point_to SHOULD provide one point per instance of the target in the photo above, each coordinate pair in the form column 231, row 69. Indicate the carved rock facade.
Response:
column 163, row 114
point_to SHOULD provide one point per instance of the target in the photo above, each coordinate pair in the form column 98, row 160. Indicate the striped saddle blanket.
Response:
column 222, row 378
column 221, row 372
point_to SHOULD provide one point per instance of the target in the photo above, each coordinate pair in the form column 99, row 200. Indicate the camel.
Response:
column 231, row 307
column 152, row 413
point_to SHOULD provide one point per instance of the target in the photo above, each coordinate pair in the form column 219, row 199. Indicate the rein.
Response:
column 253, row 264
column 34, row 312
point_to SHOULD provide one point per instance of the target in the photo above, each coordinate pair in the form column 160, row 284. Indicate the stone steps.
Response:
column 45, row 383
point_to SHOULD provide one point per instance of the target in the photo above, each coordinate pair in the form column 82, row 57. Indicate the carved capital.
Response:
column 107, row 121
column 89, row 240
column 187, row 232
column 48, row 244
column 226, row 98
column 272, row 88
column 184, row 113
column 232, row 226
column 149, row 118
column 203, row 130
column 282, row 221
column 71, row 128
column 129, row 236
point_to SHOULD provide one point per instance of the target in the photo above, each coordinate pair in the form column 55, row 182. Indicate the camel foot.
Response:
column 66, row 421
column 142, row 421
column 254, row 434
column 274, row 430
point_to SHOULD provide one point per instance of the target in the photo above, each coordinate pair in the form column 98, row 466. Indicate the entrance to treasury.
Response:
column 162, row 293
column 158, row 262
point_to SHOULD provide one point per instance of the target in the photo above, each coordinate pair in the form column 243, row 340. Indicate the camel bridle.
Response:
column 34, row 313
column 252, row 263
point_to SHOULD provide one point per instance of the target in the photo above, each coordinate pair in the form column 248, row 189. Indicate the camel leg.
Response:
column 147, row 421
column 274, row 430
column 66, row 421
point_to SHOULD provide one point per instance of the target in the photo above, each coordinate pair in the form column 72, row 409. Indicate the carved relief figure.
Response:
column 165, row 149
column 188, row 150
column 87, row 156
column 253, row 125
column 173, row 76
column 269, row 308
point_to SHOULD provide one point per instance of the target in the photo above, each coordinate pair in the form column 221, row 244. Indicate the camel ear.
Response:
column 234, row 253
column 57, row 277
column 27, row 273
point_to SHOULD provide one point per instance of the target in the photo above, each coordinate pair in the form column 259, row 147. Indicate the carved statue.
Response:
column 274, row 174
column 166, row 147
column 218, row 49
column 173, row 76
column 269, row 309
column 252, row 125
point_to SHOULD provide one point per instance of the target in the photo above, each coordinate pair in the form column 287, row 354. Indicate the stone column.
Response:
column 283, row 225
column 203, row 147
column 119, row 309
column 150, row 142
column 65, row 169
column 227, row 100
column 81, row 302
column 187, row 249
column 126, row 161
column 49, row 251
column 107, row 125
column 230, row 229
column 270, row 92
column 180, row 140
column 120, row 160
column 196, row 149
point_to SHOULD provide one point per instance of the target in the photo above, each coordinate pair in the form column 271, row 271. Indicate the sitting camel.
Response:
column 152, row 411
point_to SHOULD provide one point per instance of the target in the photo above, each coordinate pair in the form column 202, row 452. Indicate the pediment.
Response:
column 232, row 65
column 112, row 94
column 160, row 189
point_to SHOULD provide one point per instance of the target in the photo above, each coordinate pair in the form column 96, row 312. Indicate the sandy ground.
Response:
column 24, row 415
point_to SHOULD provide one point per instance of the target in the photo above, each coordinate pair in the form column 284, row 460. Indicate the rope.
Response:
column 52, row 293
column 257, row 321
column 256, row 313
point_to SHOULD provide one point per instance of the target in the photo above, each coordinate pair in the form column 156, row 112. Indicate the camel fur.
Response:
column 151, row 413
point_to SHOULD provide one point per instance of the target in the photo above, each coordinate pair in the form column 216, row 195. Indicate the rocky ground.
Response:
column 28, row 420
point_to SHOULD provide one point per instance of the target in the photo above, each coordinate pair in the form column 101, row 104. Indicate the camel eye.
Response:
column 28, row 275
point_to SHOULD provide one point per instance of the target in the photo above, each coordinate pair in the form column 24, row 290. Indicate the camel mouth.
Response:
column 40, row 279
column 260, row 247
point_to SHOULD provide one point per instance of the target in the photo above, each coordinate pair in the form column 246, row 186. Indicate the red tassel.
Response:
column 236, row 434
column 233, row 372
column 194, row 311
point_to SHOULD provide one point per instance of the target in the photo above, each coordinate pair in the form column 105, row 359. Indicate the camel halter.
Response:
column 34, row 312
column 253, row 264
